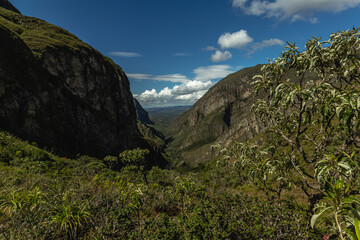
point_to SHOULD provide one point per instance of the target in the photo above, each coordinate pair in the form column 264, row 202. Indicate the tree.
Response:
column 311, row 111
column 136, row 157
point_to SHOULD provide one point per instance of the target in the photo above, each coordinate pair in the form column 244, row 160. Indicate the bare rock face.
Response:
column 7, row 5
column 221, row 115
column 142, row 114
column 61, row 93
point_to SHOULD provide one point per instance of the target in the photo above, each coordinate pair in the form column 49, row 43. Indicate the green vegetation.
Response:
column 38, row 34
column 44, row 196
column 313, row 127
column 223, row 113
column 298, row 180
column 152, row 136
column 163, row 117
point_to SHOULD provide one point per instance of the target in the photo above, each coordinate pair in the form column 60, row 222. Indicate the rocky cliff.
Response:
column 142, row 114
column 221, row 115
column 60, row 92
column 7, row 5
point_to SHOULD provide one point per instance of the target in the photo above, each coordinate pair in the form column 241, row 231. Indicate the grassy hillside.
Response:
column 164, row 117
column 38, row 34
column 47, row 197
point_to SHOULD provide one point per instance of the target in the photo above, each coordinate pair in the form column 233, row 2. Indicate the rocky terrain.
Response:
column 61, row 93
column 7, row 5
column 142, row 114
column 221, row 115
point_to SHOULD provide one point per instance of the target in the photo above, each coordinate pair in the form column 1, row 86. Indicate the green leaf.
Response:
column 350, row 234
column 357, row 228
column 316, row 216
column 351, row 199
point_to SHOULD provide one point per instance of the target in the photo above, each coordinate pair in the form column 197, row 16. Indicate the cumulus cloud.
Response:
column 234, row 40
column 125, row 54
column 240, row 40
column 219, row 56
column 186, row 93
column 293, row 9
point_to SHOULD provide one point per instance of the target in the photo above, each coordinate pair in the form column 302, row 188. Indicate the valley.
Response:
column 270, row 151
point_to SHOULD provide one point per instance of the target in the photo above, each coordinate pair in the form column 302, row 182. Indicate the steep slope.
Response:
column 7, row 5
column 152, row 135
column 58, row 91
column 221, row 115
column 163, row 117
column 142, row 114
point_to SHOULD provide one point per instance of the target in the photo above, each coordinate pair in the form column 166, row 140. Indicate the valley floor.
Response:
column 44, row 196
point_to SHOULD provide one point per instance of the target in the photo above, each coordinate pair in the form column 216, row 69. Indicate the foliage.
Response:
column 136, row 157
column 84, row 199
column 311, row 110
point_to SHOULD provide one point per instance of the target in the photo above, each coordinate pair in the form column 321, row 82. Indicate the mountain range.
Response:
column 60, row 92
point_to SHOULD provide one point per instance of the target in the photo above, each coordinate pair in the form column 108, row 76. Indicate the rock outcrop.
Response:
column 60, row 92
column 142, row 114
column 221, row 115
column 7, row 5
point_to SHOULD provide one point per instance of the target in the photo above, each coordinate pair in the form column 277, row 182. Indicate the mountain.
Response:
column 142, row 114
column 163, row 117
column 221, row 115
column 7, row 5
column 152, row 135
column 60, row 92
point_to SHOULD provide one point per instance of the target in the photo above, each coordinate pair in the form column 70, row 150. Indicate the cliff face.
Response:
column 142, row 114
column 7, row 5
column 221, row 115
column 60, row 92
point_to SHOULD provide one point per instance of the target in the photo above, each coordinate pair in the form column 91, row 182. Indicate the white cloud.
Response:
column 186, row 93
column 219, row 56
column 139, row 76
column 176, row 78
column 212, row 72
column 239, row 3
column 267, row 43
column 314, row 20
column 234, row 40
column 182, row 54
column 210, row 48
column 293, row 9
column 125, row 54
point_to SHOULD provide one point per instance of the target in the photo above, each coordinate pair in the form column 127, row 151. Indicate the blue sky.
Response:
column 173, row 51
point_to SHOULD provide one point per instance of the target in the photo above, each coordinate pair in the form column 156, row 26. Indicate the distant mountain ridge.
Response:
column 163, row 117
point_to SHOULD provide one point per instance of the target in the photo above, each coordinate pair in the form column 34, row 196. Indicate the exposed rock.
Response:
column 60, row 92
column 221, row 115
column 142, row 114
column 7, row 5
